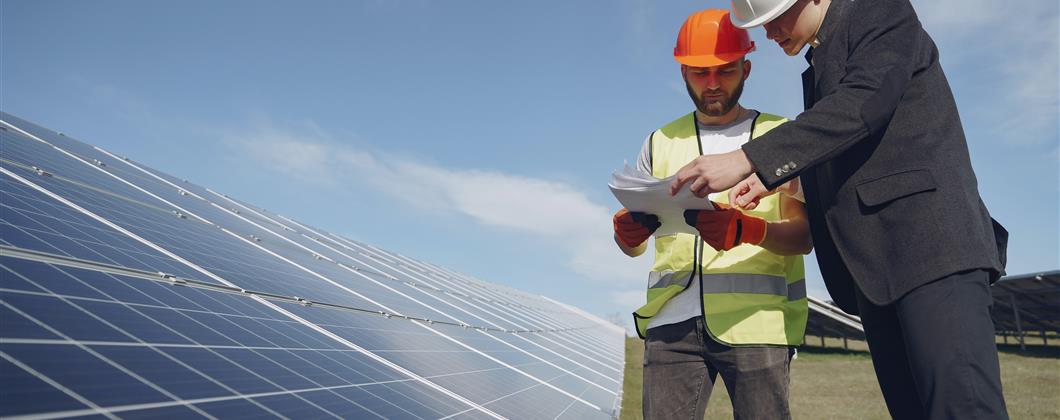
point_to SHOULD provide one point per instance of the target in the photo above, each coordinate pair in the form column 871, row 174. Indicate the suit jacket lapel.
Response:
column 809, row 82
column 820, row 176
column 809, row 96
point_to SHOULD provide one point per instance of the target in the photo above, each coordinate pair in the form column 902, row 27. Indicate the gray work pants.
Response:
column 682, row 362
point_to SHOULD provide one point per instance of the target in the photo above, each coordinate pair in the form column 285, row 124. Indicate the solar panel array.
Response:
column 126, row 292
column 1026, row 304
column 1023, row 305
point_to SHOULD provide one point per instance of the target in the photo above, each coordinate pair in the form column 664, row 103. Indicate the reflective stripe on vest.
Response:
column 762, row 284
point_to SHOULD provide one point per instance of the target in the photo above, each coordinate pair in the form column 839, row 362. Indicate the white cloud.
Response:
column 957, row 14
column 562, row 214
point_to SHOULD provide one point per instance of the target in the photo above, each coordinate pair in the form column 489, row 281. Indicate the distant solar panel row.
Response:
column 125, row 292
column 1027, row 303
column 827, row 320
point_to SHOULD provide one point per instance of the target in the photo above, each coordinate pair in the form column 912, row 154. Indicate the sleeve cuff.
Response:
column 772, row 172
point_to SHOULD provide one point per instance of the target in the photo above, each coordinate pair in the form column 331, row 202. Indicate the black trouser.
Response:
column 934, row 352
column 682, row 362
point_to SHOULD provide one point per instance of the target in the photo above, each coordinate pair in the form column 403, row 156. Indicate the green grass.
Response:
column 833, row 383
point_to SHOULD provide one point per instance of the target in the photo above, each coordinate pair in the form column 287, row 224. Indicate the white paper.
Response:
column 640, row 191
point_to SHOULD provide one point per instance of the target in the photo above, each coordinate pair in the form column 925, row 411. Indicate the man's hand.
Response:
column 712, row 173
column 749, row 192
column 633, row 228
column 725, row 228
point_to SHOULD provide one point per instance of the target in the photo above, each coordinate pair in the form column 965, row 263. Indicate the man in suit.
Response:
column 901, row 234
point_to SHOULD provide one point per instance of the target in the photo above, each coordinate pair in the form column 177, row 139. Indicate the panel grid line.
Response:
column 261, row 300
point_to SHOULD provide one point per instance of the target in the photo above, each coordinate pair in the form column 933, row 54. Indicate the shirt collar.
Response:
column 835, row 13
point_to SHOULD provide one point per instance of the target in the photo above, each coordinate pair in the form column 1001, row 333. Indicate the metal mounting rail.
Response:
column 65, row 261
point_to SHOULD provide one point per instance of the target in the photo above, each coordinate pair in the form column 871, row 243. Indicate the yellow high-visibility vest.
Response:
column 751, row 296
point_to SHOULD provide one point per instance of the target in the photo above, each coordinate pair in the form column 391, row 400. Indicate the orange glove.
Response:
column 633, row 228
column 725, row 228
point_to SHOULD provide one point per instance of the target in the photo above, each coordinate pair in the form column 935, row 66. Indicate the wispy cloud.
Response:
column 121, row 102
column 303, row 151
column 562, row 214
column 641, row 35
column 628, row 298
column 1014, row 49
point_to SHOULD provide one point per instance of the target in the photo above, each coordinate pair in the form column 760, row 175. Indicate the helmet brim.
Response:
column 711, row 60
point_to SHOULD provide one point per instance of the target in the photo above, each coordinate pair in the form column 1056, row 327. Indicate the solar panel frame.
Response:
column 44, row 225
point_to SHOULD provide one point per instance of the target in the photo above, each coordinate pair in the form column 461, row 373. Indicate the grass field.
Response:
column 833, row 383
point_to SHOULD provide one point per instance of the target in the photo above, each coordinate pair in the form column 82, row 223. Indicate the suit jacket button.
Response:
column 786, row 167
column 792, row 164
column 779, row 172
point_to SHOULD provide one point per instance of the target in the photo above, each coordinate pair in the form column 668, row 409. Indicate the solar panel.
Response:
column 827, row 320
column 127, row 292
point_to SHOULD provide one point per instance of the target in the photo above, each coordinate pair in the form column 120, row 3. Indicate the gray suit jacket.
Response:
column 892, row 198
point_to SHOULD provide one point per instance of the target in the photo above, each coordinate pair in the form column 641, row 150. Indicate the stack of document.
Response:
column 640, row 191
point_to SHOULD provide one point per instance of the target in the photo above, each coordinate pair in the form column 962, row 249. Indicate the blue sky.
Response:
column 478, row 135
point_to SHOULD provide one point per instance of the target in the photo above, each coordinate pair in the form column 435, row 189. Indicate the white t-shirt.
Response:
column 714, row 139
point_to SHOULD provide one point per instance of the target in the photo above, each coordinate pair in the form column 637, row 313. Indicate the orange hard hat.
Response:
column 708, row 38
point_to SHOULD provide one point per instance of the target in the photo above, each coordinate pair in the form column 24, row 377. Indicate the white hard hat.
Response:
column 750, row 13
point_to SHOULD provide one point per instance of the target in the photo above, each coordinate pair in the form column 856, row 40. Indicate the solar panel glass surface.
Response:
column 122, row 341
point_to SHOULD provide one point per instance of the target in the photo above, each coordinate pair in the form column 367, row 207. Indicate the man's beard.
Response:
column 716, row 109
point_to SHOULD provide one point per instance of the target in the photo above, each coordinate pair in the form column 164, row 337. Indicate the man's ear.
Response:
column 746, row 68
